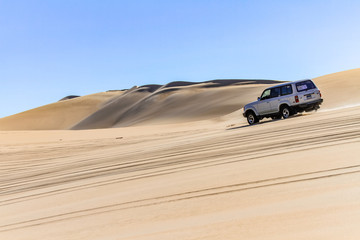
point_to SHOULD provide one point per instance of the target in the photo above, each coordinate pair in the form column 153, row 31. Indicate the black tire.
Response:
column 285, row 112
column 252, row 118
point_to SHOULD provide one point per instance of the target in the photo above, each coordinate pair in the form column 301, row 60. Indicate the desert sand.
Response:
column 163, row 169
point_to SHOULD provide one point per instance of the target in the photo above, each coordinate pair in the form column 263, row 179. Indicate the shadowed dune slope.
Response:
column 58, row 115
column 177, row 102
column 110, row 113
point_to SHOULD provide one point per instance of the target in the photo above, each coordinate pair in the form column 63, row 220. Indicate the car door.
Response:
column 263, row 105
column 274, row 100
column 286, row 93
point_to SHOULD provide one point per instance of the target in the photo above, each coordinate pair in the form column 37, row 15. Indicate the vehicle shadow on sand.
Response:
column 261, row 123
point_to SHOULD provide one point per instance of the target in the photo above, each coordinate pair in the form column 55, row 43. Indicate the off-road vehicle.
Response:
column 284, row 100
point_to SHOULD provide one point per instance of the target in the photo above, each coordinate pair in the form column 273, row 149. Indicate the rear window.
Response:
column 305, row 85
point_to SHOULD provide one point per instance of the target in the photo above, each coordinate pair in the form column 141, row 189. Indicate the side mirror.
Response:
column 259, row 98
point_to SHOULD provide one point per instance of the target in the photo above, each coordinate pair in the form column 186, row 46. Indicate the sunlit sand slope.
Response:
column 340, row 89
column 58, row 115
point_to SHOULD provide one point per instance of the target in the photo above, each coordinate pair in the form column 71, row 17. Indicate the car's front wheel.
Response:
column 251, row 118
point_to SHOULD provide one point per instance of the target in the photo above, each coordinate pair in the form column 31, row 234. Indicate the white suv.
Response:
column 284, row 100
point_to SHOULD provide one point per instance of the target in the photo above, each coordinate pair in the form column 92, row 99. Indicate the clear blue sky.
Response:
column 53, row 48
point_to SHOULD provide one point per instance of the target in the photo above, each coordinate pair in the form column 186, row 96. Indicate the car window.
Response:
column 286, row 90
column 275, row 92
column 305, row 85
column 266, row 94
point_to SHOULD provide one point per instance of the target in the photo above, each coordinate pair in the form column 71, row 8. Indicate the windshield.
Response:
column 265, row 95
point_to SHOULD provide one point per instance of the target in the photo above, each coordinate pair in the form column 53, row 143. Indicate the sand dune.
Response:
column 340, row 89
column 176, row 102
column 58, row 115
column 110, row 113
column 173, row 102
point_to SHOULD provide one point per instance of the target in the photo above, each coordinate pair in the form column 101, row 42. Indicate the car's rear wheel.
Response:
column 251, row 118
column 285, row 112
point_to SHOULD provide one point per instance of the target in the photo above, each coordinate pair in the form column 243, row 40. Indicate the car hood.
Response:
column 250, row 104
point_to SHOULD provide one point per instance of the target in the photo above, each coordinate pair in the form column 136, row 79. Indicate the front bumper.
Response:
column 244, row 114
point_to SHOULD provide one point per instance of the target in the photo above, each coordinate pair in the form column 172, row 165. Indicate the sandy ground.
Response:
column 288, row 179
column 219, row 178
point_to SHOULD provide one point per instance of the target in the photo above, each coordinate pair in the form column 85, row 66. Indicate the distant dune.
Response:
column 69, row 97
column 171, row 103
column 58, row 115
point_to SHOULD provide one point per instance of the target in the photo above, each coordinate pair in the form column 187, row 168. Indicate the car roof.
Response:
column 287, row 83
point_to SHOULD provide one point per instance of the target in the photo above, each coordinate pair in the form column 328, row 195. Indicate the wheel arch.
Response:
column 292, row 110
column 284, row 104
column 251, row 110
